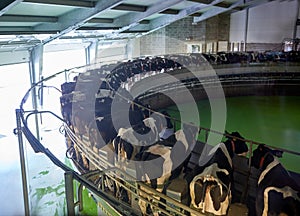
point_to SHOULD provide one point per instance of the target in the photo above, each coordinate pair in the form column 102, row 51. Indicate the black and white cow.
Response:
column 277, row 192
column 164, row 161
column 129, row 141
column 210, row 187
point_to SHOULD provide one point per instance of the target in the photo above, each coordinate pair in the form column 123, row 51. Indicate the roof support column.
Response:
column 35, row 69
column 246, row 29
column 91, row 53
column 297, row 23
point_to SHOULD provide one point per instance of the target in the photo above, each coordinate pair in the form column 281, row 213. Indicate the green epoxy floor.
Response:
column 273, row 120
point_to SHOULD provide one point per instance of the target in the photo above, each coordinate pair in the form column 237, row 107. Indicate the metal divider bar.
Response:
column 18, row 131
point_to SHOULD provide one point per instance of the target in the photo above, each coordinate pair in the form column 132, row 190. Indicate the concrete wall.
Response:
column 268, row 25
column 154, row 43
column 176, row 37
column 217, row 28
column 178, row 34
column 134, row 48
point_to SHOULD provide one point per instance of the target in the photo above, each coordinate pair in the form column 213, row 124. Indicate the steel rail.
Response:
column 38, row 147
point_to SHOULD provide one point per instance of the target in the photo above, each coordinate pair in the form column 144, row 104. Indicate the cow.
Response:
column 210, row 184
column 129, row 142
column 162, row 162
column 277, row 192
column 167, row 130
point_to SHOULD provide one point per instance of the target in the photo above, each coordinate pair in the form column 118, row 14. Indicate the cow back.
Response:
column 277, row 192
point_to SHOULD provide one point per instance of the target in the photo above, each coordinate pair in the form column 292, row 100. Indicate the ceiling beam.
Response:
column 132, row 19
column 221, row 4
column 217, row 11
column 130, row 7
column 6, row 5
column 145, row 21
column 3, row 29
column 169, row 11
column 19, row 42
column 76, row 18
column 196, row 14
column 102, row 27
column 134, row 31
column 201, row 1
column 253, row 3
column 27, row 18
column 101, row 20
column 168, row 19
column 22, row 31
column 73, row 3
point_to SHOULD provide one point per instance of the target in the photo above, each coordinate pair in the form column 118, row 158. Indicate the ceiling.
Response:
column 28, row 23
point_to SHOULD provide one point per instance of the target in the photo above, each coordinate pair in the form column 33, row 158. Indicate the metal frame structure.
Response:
column 104, row 170
column 49, row 20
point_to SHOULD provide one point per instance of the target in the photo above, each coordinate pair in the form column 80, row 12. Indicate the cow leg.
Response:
column 142, row 203
column 85, row 162
column 124, row 195
column 196, row 188
column 143, row 206
column 219, row 194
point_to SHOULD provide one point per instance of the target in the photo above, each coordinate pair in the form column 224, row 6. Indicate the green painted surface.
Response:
column 89, row 205
column 271, row 120
column 47, row 191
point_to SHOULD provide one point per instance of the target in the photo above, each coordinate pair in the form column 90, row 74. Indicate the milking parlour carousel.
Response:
column 142, row 143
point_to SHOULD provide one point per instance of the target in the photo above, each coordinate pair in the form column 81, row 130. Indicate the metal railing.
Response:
column 105, row 169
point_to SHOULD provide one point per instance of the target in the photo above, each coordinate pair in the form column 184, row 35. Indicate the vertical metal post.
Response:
column 66, row 76
column 296, row 21
column 80, row 198
column 246, row 29
column 22, row 162
column 35, row 68
column 69, row 193
column 42, row 93
column 295, row 40
column 91, row 52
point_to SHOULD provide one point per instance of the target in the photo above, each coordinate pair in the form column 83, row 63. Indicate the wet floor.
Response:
column 12, row 87
column 11, row 199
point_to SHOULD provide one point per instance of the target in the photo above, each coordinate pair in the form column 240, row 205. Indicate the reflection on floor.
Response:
column 45, row 180
column 11, row 198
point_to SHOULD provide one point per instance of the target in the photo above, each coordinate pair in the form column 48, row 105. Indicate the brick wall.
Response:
column 174, row 37
column 153, row 44
column 217, row 28
column 178, row 33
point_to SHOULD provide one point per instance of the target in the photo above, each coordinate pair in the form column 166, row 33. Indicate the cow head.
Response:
column 236, row 144
column 260, row 153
